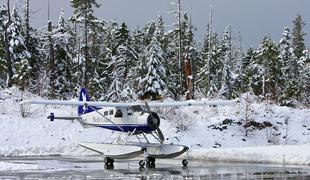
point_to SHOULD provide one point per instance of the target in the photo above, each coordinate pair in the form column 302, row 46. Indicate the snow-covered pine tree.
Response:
column 153, row 84
column 296, row 61
column 267, row 70
column 120, row 89
column 148, row 32
column 19, row 53
column 3, row 68
column 207, row 81
column 227, row 79
column 172, row 63
column 190, row 56
column 176, row 40
column 76, row 43
column 98, row 63
column 187, row 53
column 32, row 43
column 140, row 66
column 298, row 41
column 109, row 51
column 305, row 77
column 289, row 85
column 63, row 59
column 5, row 22
column 202, row 82
column 84, row 14
column 120, row 65
column 245, row 72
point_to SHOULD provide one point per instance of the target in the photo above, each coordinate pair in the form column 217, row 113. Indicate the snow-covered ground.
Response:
column 276, row 134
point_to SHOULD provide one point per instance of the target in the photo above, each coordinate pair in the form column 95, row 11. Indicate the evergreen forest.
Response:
column 155, row 62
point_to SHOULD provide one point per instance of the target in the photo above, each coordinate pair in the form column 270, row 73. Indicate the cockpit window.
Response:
column 136, row 108
column 118, row 113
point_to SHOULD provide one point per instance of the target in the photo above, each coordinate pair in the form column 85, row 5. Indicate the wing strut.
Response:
column 94, row 109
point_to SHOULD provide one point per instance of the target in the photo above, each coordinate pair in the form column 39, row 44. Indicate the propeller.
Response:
column 155, row 123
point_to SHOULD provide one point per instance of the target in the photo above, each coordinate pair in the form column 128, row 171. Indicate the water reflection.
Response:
column 75, row 168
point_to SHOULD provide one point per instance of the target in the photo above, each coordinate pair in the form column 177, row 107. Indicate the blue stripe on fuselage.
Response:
column 128, row 128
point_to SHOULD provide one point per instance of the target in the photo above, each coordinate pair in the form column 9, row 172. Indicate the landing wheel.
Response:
column 141, row 163
column 108, row 166
column 184, row 162
column 108, row 161
column 150, row 162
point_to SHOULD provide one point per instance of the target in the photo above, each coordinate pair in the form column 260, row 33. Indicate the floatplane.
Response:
column 132, row 119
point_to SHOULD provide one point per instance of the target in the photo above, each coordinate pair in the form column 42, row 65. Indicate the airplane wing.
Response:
column 192, row 103
column 76, row 103
column 124, row 105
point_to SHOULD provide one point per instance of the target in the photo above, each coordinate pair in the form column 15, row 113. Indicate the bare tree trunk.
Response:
column 52, row 60
column 7, row 46
column 9, row 11
column 27, row 24
column 188, row 75
column 180, row 50
column 86, row 68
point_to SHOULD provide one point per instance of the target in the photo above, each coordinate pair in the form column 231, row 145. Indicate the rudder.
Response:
column 85, row 97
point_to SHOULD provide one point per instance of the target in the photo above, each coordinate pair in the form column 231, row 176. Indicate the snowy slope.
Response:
column 212, row 133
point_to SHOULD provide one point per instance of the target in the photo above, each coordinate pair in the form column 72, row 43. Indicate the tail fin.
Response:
column 85, row 97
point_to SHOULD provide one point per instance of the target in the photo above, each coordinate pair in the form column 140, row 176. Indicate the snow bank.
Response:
column 7, row 166
column 282, row 154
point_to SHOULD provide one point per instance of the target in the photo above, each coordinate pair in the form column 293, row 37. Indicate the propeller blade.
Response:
column 147, row 107
column 160, row 135
column 158, row 131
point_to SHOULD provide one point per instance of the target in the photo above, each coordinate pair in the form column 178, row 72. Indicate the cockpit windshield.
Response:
column 137, row 108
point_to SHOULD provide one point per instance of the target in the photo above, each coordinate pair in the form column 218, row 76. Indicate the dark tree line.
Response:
column 117, row 64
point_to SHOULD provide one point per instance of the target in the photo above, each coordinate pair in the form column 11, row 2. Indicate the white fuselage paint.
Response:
column 102, row 117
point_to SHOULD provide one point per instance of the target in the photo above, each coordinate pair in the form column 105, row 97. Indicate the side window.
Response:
column 111, row 112
column 106, row 113
column 118, row 113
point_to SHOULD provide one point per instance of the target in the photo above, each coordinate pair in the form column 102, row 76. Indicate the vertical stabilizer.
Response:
column 85, row 97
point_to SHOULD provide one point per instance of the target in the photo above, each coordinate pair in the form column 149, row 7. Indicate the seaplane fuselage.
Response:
column 133, row 119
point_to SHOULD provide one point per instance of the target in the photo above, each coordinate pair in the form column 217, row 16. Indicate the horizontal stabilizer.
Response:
column 52, row 117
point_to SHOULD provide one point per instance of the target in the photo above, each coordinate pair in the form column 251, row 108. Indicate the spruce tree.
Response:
column 153, row 84
column 3, row 68
column 5, row 20
column 84, row 11
column 305, row 77
column 32, row 43
column 225, row 72
column 288, row 59
column 298, row 41
column 267, row 70
column 19, row 54
column 202, row 82
column 98, row 63
column 245, row 72
column 63, row 59
column 121, row 63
